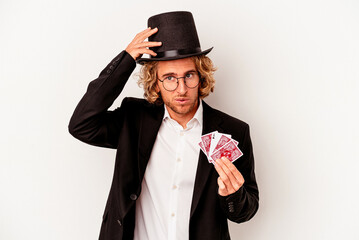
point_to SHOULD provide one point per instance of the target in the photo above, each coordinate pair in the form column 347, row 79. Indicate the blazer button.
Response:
column 119, row 222
column 133, row 197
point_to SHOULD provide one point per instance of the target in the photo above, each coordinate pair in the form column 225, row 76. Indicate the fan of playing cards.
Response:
column 216, row 145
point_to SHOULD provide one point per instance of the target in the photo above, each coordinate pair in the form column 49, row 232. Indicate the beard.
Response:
column 182, row 109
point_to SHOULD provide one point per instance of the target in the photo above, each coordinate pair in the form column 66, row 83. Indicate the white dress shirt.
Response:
column 163, row 207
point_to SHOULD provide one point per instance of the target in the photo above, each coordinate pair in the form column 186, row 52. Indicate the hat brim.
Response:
column 144, row 60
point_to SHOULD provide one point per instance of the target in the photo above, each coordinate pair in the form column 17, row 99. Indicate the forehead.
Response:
column 176, row 66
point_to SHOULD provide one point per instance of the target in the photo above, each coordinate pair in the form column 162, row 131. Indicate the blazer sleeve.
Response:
column 91, row 121
column 242, row 205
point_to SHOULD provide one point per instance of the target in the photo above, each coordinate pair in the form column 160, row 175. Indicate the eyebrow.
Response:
column 175, row 74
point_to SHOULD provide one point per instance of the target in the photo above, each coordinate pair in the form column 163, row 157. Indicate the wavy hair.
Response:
column 148, row 78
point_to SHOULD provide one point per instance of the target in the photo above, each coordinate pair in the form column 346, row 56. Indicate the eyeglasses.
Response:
column 170, row 83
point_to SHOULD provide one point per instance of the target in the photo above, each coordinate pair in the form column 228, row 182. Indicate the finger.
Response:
column 223, row 175
column 140, row 34
column 233, row 180
column 150, row 52
column 235, row 183
column 134, row 47
column 237, row 174
column 145, row 34
column 144, row 31
column 148, row 44
column 141, row 51
column 151, row 32
column 221, row 187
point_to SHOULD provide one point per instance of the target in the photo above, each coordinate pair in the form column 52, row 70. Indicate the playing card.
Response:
column 206, row 141
column 215, row 145
column 221, row 142
column 229, row 150
column 218, row 138
column 214, row 140
column 202, row 148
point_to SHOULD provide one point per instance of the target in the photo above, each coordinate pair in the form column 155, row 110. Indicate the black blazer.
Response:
column 132, row 129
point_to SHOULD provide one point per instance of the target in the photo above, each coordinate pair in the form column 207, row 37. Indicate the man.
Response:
column 163, row 186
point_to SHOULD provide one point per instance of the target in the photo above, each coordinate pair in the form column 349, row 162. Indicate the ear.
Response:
column 157, row 88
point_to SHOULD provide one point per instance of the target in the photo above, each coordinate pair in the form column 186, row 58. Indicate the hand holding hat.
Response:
column 139, row 46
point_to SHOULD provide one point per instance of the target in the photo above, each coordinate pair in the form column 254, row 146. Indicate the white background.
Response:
column 288, row 68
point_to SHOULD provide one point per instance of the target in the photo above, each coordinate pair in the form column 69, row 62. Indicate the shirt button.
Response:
column 133, row 197
column 178, row 159
column 173, row 214
column 174, row 187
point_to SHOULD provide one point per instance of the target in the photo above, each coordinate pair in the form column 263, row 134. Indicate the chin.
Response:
column 182, row 110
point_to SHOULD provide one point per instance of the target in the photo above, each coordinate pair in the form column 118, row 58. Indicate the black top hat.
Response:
column 178, row 34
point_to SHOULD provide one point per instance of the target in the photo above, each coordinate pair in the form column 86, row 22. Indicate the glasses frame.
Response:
column 177, row 81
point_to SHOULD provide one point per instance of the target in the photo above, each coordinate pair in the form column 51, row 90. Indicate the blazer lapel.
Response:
column 150, row 124
column 210, row 123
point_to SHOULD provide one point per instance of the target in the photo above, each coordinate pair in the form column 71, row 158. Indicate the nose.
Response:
column 182, row 88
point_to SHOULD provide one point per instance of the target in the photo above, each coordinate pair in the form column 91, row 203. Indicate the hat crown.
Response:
column 176, row 31
column 178, row 34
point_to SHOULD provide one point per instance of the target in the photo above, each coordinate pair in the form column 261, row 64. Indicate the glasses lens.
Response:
column 170, row 85
column 192, row 80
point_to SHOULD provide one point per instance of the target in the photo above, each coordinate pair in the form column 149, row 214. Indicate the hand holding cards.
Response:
column 216, row 145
